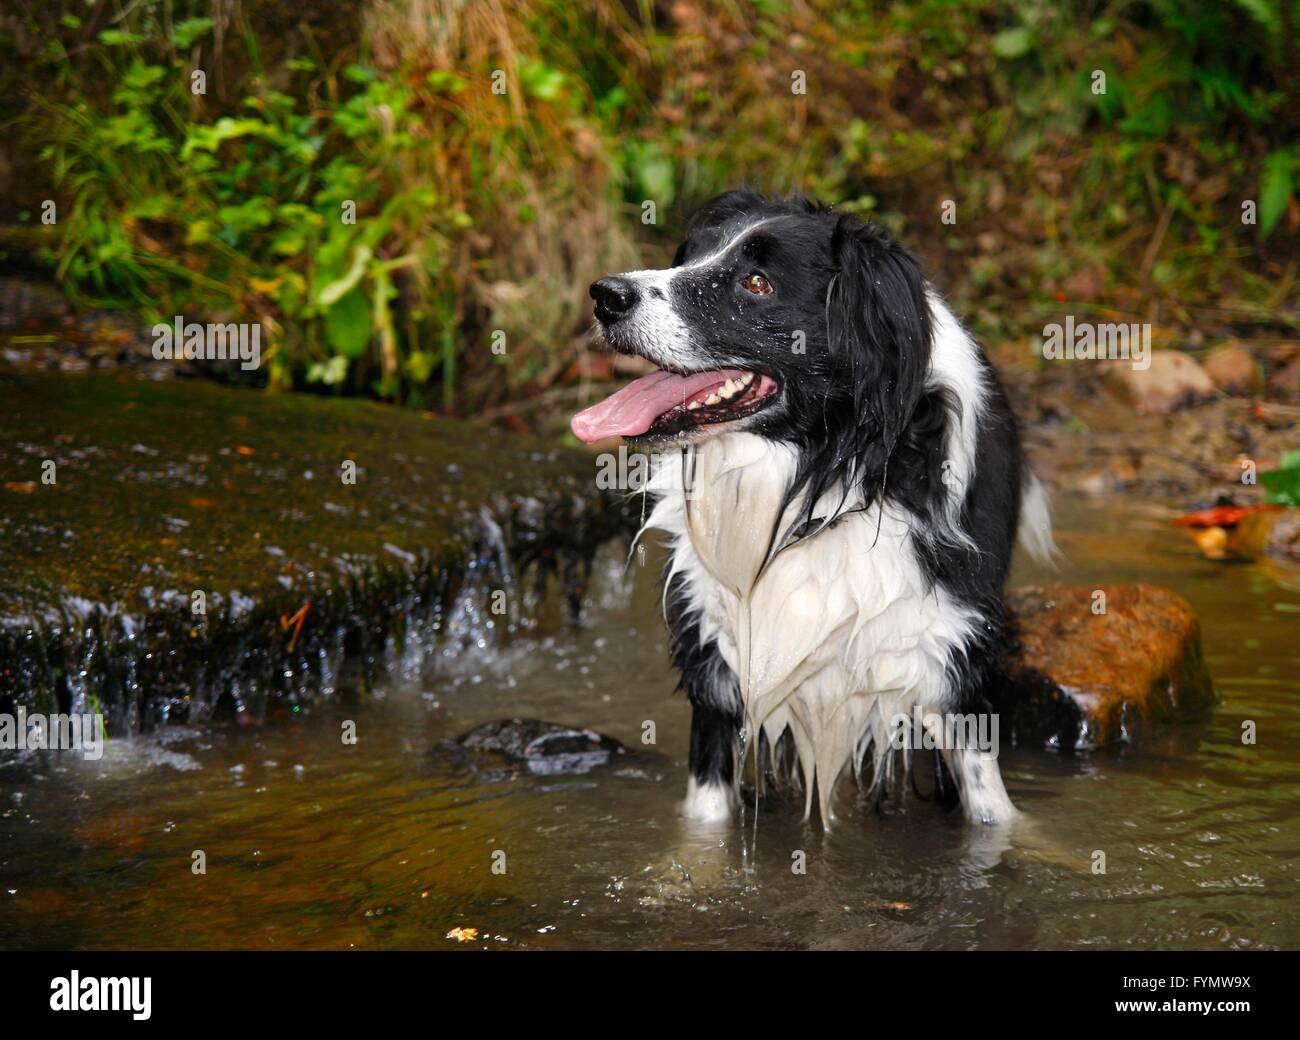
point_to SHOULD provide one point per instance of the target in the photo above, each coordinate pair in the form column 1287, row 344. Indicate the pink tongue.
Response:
column 632, row 410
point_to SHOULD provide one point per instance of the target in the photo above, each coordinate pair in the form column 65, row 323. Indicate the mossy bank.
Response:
column 177, row 550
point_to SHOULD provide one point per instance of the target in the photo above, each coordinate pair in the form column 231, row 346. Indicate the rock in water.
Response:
column 1091, row 671
column 1233, row 370
column 1273, row 535
column 544, row 747
column 1173, row 380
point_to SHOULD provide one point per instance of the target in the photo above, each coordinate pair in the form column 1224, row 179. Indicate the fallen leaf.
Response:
column 244, row 449
column 1212, row 541
column 463, row 934
column 23, row 487
column 296, row 621
column 1222, row 516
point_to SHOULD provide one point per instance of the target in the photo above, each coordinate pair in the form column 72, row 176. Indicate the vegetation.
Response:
column 499, row 155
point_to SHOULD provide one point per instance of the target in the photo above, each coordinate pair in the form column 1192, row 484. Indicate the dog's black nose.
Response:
column 614, row 298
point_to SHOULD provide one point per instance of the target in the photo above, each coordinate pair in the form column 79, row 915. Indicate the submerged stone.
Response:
column 1095, row 665
column 1267, row 535
column 177, row 549
column 544, row 747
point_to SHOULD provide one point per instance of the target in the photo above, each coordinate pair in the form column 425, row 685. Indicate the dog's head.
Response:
column 778, row 316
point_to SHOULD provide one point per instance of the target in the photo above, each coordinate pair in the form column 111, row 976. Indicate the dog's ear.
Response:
column 878, row 326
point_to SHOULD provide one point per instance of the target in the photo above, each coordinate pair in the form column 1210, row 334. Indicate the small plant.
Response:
column 1282, row 485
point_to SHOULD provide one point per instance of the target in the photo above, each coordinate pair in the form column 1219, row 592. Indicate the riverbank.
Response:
column 177, row 550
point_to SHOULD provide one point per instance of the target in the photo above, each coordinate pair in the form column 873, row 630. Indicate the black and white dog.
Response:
column 843, row 485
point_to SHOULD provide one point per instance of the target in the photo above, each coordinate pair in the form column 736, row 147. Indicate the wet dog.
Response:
column 842, row 481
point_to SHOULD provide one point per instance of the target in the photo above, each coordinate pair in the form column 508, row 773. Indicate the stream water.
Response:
column 391, row 842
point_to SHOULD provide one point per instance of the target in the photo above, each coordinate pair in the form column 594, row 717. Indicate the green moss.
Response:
column 164, row 489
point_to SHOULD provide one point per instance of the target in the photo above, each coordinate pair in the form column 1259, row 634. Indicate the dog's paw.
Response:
column 709, row 803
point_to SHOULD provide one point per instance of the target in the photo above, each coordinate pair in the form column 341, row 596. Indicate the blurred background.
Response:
column 411, row 197
column 501, row 153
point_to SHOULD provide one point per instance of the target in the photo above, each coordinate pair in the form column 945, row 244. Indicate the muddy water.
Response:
column 313, row 843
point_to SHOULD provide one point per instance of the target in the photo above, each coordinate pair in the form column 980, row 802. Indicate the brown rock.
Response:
column 1278, row 354
column 1233, row 370
column 1080, row 680
column 1285, row 382
column 1268, row 534
column 1173, row 380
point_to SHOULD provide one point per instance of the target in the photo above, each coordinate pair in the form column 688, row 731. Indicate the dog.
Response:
column 842, row 480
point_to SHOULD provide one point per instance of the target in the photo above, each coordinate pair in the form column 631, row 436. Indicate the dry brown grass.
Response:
column 532, row 172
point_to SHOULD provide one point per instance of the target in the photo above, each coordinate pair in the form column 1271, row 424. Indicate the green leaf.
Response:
column 653, row 172
column 210, row 138
column 347, row 324
column 249, row 215
column 185, row 33
column 1274, row 188
column 332, row 292
column 1268, row 13
column 1282, row 486
column 331, row 373
column 1010, row 44
column 419, row 366
column 541, row 80
column 118, row 38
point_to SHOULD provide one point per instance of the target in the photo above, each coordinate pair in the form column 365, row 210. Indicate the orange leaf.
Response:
column 1221, row 516
column 296, row 621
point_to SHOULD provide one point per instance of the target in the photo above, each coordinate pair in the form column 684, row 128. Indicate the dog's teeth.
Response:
column 746, row 379
column 713, row 399
column 692, row 406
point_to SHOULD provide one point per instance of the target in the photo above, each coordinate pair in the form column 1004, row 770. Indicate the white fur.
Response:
column 708, row 803
column 1035, row 531
column 664, row 339
column 955, row 366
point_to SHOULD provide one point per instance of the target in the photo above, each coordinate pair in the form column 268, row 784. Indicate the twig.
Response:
column 1157, row 240
column 553, row 396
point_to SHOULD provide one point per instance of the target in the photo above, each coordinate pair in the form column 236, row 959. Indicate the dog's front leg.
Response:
column 984, row 797
column 715, row 747
column 714, row 693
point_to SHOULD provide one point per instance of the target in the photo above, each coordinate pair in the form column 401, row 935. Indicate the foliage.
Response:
column 479, row 212
column 1282, row 485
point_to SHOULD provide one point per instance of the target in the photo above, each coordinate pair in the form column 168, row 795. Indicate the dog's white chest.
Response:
column 836, row 635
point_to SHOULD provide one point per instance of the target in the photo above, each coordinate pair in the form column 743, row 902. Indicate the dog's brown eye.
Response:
column 758, row 285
